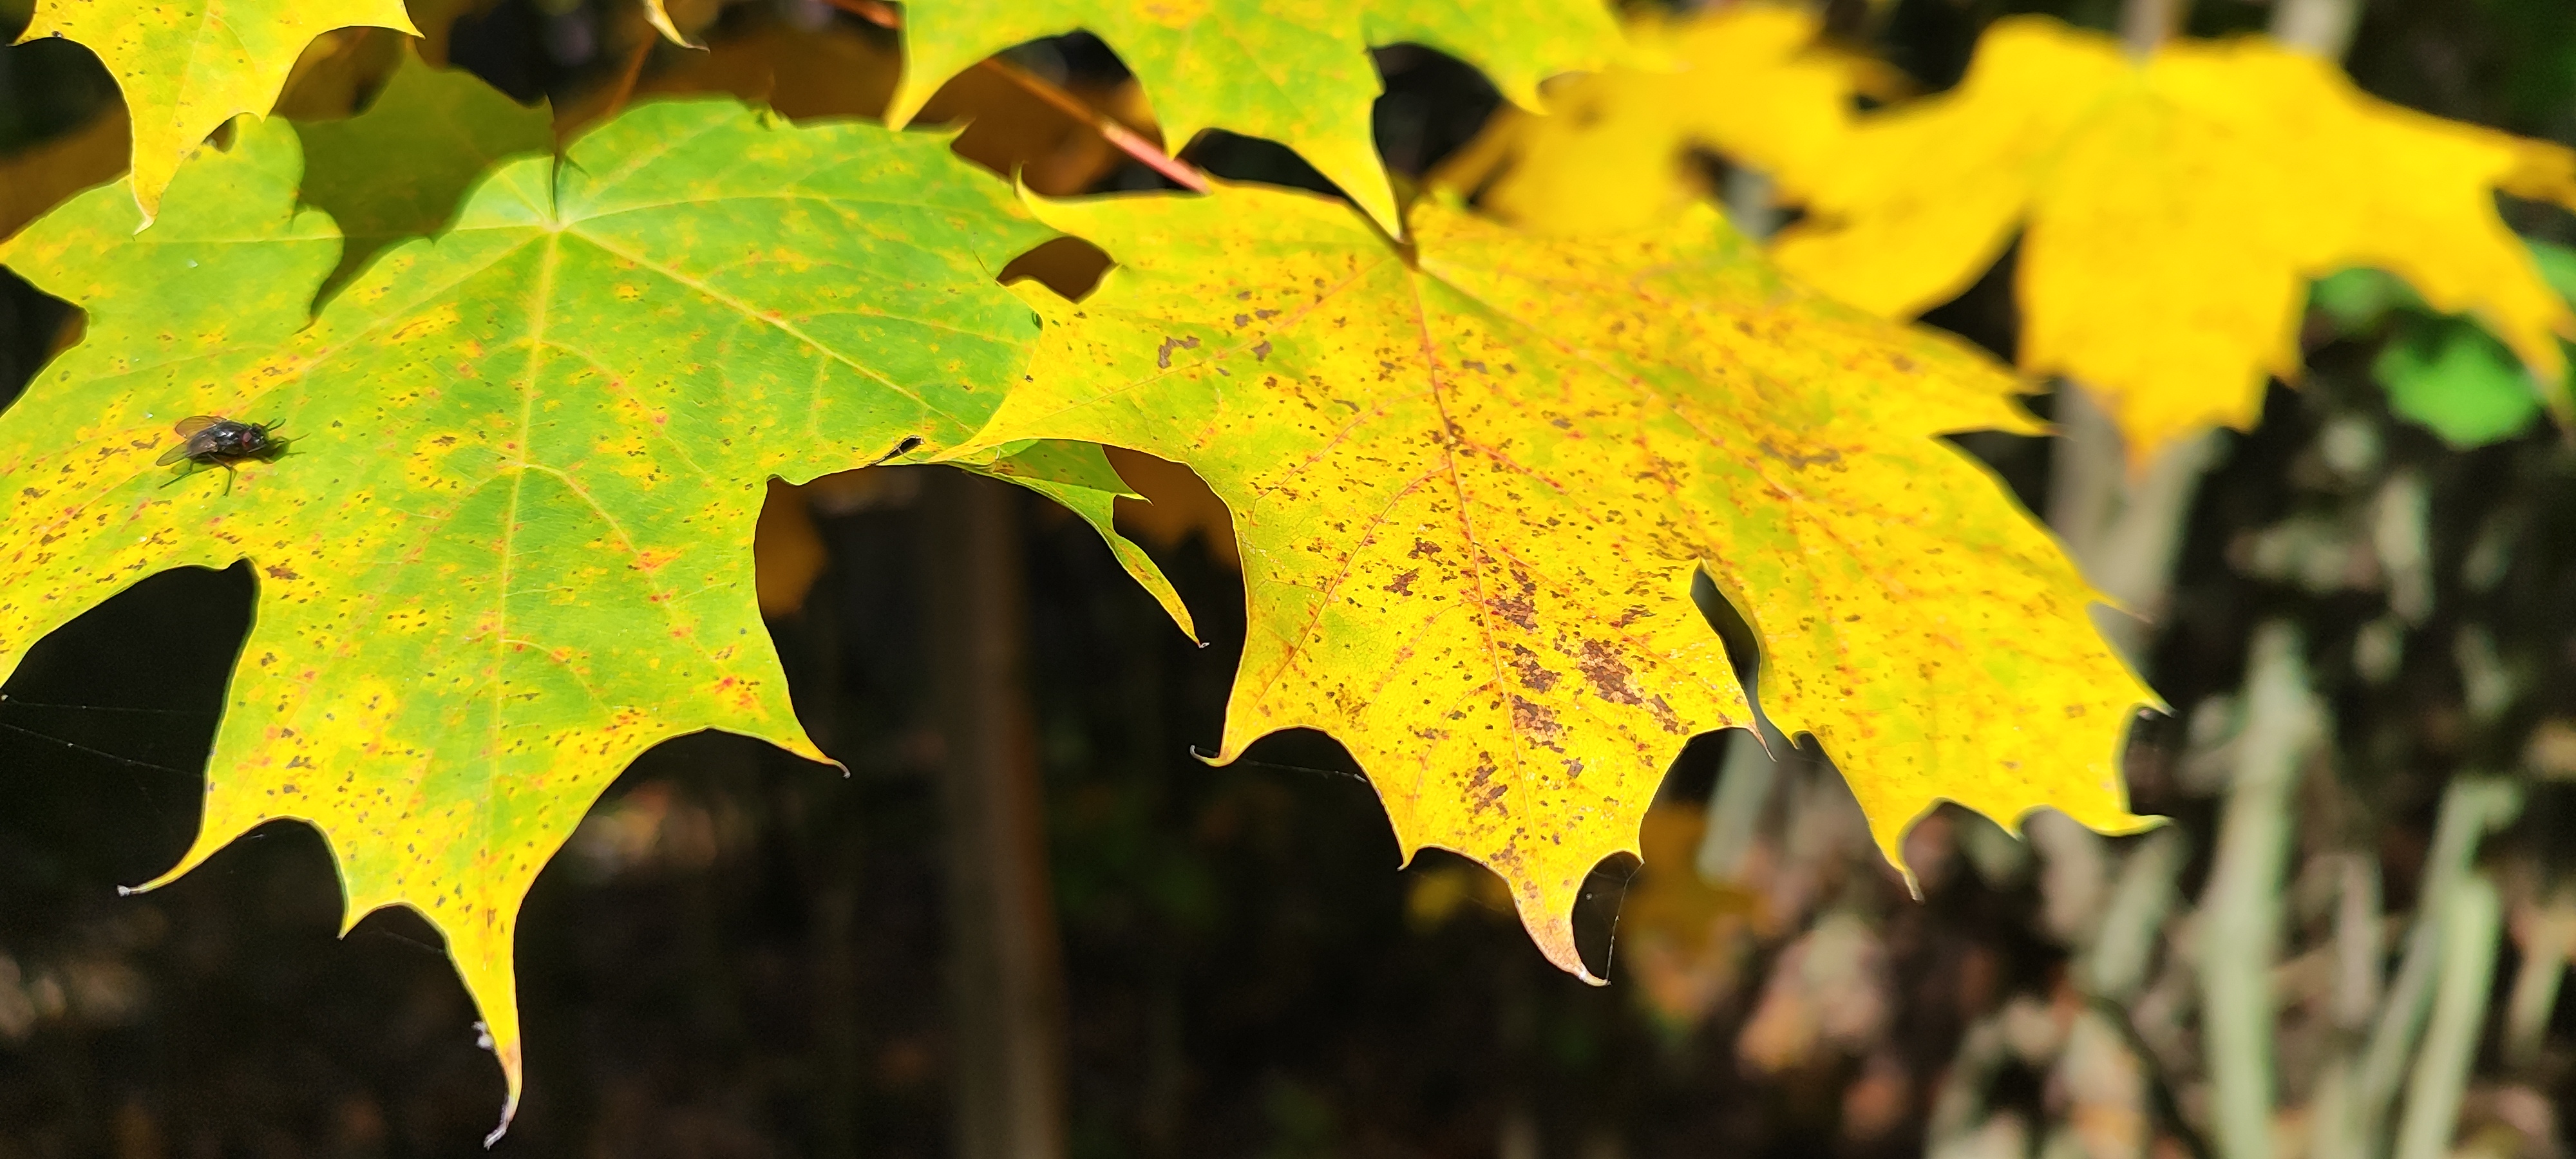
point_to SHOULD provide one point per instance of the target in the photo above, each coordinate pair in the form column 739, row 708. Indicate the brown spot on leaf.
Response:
column 1534, row 675
column 1537, row 722
column 1608, row 674
column 1802, row 461
column 1163, row 356
column 1482, row 792
column 281, row 571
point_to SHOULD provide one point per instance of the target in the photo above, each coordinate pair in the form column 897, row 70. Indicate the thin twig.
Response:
column 634, row 71
column 2240, row 910
column 1119, row 136
column 876, row 12
column 2471, row 917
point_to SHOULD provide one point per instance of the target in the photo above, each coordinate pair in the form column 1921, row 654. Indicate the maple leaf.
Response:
column 510, row 546
column 189, row 66
column 1614, row 151
column 1472, row 479
column 2171, row 213
column 1294, row 72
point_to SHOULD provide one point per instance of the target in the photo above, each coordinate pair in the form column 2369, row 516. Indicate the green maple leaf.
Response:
column 510, row 548
column 1295, row 72
column 1472, row 479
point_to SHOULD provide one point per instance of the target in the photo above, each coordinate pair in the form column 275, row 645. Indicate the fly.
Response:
column 215, row 441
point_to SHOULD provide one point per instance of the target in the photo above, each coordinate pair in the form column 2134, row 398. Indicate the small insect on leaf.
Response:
column 187, row 429
column 214, row 441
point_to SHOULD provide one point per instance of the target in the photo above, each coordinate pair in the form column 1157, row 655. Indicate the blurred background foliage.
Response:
column 2370, row 654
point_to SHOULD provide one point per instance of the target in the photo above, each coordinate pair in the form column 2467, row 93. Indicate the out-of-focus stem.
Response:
column 2147, row 24
column 2123, row 531
column 2537, row 979
column 1736, row 805
column 1005, row 984
column 2471, row 915
column 2241, row 907
column 2074, row 877
column 1119, row 136
column 2470, row 808
column 2115, row 967
column 2357, row 941
column 2085, row 476
column 2322, row 27
column 2335, row 1126
column 1749, row 203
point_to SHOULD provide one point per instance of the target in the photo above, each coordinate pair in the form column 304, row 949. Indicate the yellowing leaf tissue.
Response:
column 1472, row 480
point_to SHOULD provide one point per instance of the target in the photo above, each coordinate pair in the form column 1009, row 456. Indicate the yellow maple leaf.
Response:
column 1296, row 72
column 1613, row 151
column 188, row 66
column 1472, row 479
column 1684, row 940
column 2171, row 213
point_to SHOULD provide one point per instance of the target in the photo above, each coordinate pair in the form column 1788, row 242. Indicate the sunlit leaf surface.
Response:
column 1472, row 480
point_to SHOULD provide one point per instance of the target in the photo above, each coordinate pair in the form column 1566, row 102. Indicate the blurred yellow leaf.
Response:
column 1682, row 939
column 2171, row 213
column 1614, row 150
column 1472, row 479
column 188, row 66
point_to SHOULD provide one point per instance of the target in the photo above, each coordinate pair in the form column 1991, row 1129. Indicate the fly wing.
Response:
column 193, row 423
column 172, row 455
